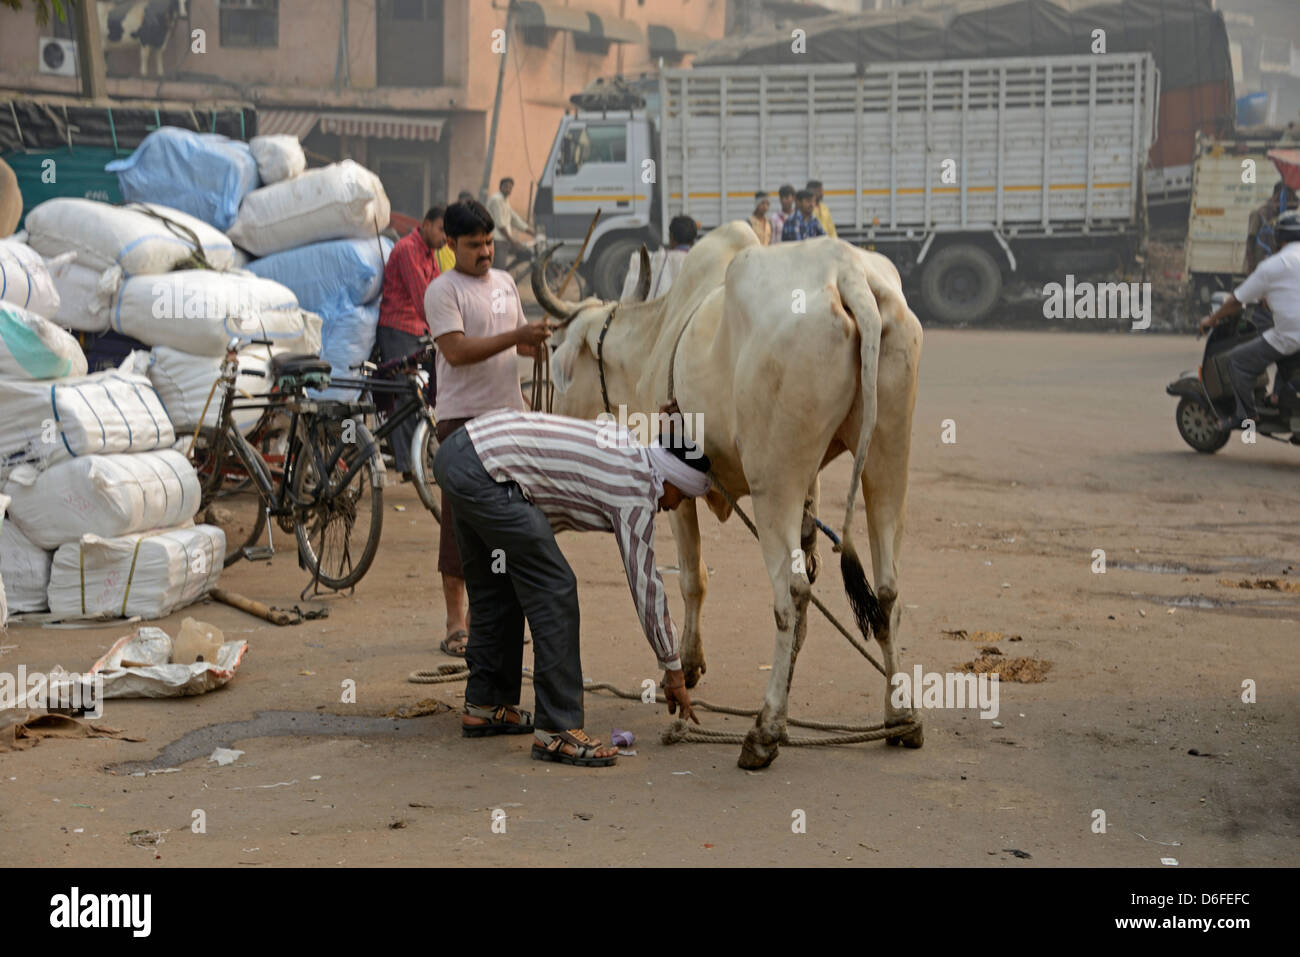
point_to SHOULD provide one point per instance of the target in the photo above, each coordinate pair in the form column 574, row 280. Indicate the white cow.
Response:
column 788, row 355
column 147, row 23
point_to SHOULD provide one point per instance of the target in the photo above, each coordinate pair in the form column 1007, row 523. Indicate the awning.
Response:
column 534, row 14
column 382, row 125
column 614, row 29
column 671, row 42
column 295, row 123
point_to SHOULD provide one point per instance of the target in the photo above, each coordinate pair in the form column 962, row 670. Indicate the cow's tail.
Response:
column 858, row 299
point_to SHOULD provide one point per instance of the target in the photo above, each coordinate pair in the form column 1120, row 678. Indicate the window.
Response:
column 66, row 28
column 409, row 42
column 595, row 143
column 250, row 23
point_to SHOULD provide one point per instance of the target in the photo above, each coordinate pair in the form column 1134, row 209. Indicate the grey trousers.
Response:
column 513, row 569
column 397, row 344
column 1245, row 363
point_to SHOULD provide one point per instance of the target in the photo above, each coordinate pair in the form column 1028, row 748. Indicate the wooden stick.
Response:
column 273, row 615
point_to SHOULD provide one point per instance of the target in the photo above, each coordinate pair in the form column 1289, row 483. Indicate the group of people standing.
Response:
column 802, row 214
column 510, row 479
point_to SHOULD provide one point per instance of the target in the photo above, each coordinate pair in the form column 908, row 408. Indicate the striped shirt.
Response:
column 586, row 476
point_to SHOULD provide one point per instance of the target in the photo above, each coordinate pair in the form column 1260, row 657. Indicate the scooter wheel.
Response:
column 1198, row 424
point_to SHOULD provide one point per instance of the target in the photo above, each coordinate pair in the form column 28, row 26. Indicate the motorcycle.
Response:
column 1205, row 395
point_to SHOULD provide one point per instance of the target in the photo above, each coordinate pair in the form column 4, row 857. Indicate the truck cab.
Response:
column 603, row 158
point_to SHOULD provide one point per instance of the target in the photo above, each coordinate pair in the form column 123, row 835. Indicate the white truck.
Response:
column 1231, row 178
column 963, row 172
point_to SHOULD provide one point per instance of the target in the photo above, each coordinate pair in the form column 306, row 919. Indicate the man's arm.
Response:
column 1252, row 289
column 634, row 529
column 459, row 349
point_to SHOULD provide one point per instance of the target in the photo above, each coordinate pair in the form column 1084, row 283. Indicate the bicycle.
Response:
column 330, row 485
column 397, row 378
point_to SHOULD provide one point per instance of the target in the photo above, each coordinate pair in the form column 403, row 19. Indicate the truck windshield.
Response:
column 594, row 143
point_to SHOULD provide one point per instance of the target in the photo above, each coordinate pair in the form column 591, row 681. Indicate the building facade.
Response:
column 405, row 87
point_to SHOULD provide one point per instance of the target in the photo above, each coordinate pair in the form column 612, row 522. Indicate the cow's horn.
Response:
column 545, row 298
column 643, row 277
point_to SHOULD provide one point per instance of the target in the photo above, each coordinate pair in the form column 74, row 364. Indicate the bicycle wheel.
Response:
column 229, row 497
column 424, row 446
column 338, row 531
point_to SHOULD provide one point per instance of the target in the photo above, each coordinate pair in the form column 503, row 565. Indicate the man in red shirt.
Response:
column 412, row 265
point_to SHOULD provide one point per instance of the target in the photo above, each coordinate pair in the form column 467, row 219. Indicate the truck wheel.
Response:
column 960, row 283
column 610, row 268
column 1199, row 426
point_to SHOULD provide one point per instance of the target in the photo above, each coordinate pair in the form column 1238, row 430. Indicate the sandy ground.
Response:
column 1065, row 443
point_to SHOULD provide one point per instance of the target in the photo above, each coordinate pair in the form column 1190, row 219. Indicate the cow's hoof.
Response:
column 912, row 739
column 694, row 673
column 755, row 754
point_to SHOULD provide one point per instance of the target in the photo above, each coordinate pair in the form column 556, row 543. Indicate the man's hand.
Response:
column 534, row 334
column 677, row 695
column 1208, row 323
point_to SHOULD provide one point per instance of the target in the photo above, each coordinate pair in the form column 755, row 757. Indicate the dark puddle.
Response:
column 1164, row 568
column 271, row 724
column 1265, row 608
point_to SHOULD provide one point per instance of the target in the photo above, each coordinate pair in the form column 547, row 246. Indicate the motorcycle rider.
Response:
column 1276, row 279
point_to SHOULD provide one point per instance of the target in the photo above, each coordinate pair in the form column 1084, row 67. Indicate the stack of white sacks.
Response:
column 99, row 505
column 316, row 231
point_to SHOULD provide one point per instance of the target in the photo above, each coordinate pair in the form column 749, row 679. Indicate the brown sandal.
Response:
column 549, row 745
column 459, row 635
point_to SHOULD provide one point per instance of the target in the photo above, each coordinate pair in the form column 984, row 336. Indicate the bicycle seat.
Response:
column 298, row 364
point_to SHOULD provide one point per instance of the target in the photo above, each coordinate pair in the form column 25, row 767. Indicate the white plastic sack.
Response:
column 108, row 495
column 76, row 286
column 157, row 677
column 184, row 383
column 25, row 281
column 334, row 202
column 149, row 575
column 4, row 607
column 203, row 174
column 278, row 157
column 126, row 236
column 25, row 569
column 198, row 311
column 33, row 347
column 47, row 421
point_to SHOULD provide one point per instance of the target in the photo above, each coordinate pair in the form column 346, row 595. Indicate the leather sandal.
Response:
column 497, row 722
column 549, row 745
column 460, row 634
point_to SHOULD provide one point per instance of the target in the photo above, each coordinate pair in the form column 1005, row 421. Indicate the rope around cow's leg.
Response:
column 681, row 731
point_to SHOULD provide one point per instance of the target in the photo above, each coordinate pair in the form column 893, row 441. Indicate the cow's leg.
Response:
column 695, row 583
column 778, row 517
column 884, row 489
column 808, row 533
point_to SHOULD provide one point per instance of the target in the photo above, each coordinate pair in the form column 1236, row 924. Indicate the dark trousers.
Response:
column 513, row 570
column 1245, row 363
column 397, row 344
column 448, row 549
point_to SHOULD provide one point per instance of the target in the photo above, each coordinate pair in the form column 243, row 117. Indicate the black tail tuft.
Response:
column 866, row 606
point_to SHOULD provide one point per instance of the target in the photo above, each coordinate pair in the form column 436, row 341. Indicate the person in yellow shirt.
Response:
column 820, row 211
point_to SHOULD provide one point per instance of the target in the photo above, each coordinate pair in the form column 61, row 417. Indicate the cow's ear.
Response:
column 717, row 504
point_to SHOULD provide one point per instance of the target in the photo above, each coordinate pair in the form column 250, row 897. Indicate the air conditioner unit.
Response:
column 57, row 56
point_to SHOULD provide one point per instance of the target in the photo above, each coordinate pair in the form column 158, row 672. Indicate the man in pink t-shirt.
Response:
column 477, row 321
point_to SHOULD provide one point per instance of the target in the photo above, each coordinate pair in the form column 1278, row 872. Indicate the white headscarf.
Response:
column 669, row 468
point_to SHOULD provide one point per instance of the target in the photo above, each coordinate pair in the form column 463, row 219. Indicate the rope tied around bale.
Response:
column 680, row 730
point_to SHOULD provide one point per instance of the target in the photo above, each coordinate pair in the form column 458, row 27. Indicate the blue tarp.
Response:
column 331, row 278
column 204, row 174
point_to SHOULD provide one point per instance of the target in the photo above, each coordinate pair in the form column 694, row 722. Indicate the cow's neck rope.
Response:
column 730, row 499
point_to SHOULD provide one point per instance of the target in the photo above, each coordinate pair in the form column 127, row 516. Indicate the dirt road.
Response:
column 1064, row 444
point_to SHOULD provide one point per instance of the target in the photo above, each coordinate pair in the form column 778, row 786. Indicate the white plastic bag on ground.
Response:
column 76, row 286
column 149, row 575
column 108, row 495
column 25, row 280
column 133, row 237
column 47, row 421
column 156, row 676
column 334, row 202
column 184, row 384
column 25, row 569
column 33, row 347
column 278, row 157
column 198, row 311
